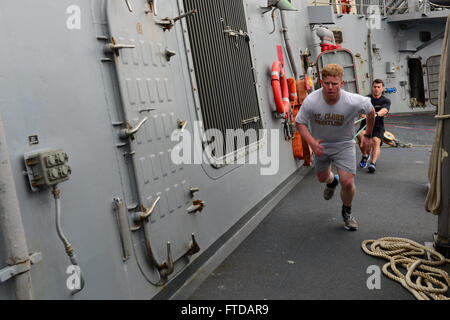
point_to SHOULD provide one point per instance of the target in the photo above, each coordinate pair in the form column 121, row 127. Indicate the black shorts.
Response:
column 376, row 132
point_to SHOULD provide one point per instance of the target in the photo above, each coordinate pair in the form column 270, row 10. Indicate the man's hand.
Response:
column 315, row 145
column 317, row 148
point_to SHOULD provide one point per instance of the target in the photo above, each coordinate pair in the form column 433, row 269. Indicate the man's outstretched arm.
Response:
column 315, row 145
column 366, row 141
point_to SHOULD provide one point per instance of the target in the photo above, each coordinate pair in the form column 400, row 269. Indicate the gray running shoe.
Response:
column 329, row 191
column 349, row 222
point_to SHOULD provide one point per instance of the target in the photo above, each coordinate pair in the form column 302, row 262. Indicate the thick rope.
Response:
column 430, row 282
column 433, row 200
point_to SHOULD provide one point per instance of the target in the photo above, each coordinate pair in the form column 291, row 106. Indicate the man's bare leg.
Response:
column 347, row 187
column 328, row 178
column 376, row 149
column 325, row 176
column 365, row 157
column 348, row 190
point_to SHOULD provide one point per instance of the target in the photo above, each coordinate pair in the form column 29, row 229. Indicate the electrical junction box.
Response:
column 390, row 68
column 407, row 45
column 46, row 168
column 321, row 15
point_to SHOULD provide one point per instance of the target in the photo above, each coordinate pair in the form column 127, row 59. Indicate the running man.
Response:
column 382, row 106
column 330, row 113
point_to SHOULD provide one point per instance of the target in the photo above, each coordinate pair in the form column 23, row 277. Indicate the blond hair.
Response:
column 333, row 70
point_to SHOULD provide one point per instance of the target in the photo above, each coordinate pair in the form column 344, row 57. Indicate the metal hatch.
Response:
column 145, row 83
column 433, row 65
column 344, row 58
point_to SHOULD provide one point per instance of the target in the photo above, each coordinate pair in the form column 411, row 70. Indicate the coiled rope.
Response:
column 431, row 282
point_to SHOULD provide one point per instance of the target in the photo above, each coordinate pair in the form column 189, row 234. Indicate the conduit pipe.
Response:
column 11, row 223
column 69, row 249
column 287, row 40
column 370, row 52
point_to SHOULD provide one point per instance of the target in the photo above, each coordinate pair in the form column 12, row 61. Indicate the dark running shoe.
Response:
column 372, row 167
column 363, row 163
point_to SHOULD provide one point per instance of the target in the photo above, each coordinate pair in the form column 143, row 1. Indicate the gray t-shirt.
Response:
column 333, row 124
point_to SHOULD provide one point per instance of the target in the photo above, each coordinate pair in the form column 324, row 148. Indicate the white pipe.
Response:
column 69, row 249
column 287, row 40
column 11, row 222
column 370, row 53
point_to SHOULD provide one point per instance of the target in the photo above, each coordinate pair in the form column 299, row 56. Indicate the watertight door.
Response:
column 344, row 58
column 433, row 64
column 146, row 88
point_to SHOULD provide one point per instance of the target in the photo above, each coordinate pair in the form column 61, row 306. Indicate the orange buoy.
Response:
column 301, row 149
column 292, row 86
column 302, row 91
column 280, row 89
column 297, row 143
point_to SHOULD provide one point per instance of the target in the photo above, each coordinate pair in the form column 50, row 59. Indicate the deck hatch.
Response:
column 224, row 75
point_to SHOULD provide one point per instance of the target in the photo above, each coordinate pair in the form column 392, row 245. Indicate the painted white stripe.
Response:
column 274, row 73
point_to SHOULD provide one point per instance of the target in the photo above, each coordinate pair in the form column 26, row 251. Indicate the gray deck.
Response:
column 302, row 251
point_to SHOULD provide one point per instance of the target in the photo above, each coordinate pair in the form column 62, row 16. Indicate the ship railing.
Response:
column 384, row 7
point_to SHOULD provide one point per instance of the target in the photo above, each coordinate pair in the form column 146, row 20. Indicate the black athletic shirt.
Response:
column 380, row 103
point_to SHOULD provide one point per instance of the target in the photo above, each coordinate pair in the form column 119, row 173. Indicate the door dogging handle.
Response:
column 194, row 247
column 114, row 47
column 130, row 131
column 197, row 206
column 168, row 23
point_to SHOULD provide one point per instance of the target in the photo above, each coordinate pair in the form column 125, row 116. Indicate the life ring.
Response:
column 280, row 89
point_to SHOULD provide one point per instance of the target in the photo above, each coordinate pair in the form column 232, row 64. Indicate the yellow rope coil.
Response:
column 430, row 281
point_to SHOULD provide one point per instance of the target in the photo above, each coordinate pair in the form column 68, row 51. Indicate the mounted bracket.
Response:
column 234, row 33
column 20, row 267
column 193, row 190
column 122, row 221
